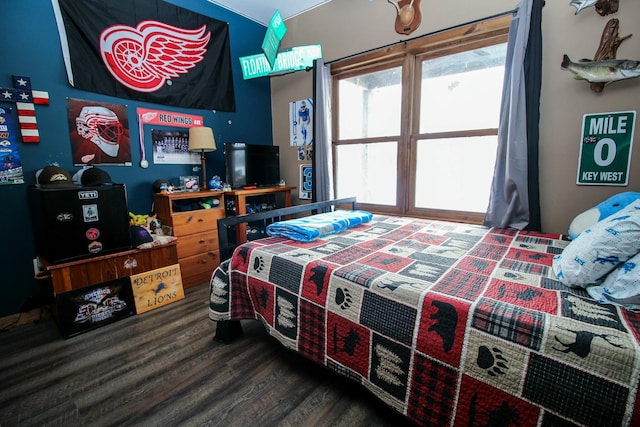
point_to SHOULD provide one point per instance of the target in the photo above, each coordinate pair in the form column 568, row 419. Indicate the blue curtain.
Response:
column 514, row 200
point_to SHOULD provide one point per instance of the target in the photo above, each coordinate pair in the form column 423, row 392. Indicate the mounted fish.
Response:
column 606, row 71
column 603, row 7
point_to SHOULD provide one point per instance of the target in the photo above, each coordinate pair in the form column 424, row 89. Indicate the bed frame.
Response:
column 227, row 331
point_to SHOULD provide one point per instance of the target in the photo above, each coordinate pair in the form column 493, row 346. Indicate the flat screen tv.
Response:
column 251, row 165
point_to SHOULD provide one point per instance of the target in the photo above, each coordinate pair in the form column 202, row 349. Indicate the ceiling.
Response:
column 261, row 11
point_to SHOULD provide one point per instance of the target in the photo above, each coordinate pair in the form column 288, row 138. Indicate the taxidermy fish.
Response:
column 582, row 4
column 605, row 71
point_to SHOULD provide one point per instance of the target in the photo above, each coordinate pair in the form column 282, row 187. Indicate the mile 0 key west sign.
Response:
column 605, row 148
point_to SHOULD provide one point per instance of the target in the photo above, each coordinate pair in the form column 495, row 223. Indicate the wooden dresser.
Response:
column 196, row 228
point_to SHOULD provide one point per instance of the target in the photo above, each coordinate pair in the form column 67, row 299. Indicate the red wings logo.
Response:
column 146, row 57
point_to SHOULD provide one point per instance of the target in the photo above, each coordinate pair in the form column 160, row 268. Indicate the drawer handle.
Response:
column 201, row 241
column 200, row 219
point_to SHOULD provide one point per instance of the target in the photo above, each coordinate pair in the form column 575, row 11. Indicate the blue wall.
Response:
column 31, row 47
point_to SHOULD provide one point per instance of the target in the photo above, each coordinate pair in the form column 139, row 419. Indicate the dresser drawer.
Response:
column 196, row 279
column 197, row 243
column 196, row 221
column 197, row 264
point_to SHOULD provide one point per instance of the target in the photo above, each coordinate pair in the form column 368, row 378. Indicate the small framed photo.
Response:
column 190, row 183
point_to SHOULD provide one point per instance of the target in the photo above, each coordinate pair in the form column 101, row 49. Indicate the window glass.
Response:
column 462, row 91
column 455, row 173
column 369, row 104
column 416, row 123
column 367, row 171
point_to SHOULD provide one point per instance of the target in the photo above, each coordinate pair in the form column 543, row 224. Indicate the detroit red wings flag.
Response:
column 146, row 50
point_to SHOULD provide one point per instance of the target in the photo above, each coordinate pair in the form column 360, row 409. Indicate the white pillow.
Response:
column 600, row 248
column 621, row 286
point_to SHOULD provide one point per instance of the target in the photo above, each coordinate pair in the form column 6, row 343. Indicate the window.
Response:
column 416, row 124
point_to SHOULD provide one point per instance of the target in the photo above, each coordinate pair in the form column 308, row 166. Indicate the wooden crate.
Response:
column 157, row 288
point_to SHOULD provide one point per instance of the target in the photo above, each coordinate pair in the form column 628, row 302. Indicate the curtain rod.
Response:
column 512, row 11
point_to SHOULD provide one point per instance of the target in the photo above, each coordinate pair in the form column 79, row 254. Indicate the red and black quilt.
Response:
column 449, row 324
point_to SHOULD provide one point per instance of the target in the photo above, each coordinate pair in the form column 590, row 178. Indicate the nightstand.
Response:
column 196, row 228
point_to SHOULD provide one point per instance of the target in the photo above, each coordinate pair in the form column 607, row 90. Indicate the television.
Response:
column 250, row 165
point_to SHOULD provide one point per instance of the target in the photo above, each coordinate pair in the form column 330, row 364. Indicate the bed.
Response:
column 447, row 323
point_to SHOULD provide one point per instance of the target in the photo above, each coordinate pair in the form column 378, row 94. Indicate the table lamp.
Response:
column 201, row 139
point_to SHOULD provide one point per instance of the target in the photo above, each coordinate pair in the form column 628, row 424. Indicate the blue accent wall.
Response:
column 31, row 47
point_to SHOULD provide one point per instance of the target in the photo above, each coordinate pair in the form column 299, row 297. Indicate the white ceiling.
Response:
column 261, row 11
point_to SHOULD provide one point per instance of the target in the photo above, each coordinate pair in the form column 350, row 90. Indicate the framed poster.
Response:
column 605, row 148
column 172, row 147
column 11, row 165
column 301, row 122
column 306, row 182
column 163, row 118
column 99, row 133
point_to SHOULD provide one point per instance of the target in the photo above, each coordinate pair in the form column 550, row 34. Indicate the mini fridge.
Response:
column 81, row 222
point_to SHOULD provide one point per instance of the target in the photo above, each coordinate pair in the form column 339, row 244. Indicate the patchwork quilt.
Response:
column 449, row 324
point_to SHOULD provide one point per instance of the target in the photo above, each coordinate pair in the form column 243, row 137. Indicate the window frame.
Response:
column 409, row 55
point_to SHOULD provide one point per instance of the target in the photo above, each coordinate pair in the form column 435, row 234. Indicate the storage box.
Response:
column 94, row 306
column 157, row 288
column 76, row 223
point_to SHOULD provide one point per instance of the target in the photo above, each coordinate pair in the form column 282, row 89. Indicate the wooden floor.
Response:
column 163, row 368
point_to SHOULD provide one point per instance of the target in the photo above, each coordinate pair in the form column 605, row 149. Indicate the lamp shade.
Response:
column 201, row 139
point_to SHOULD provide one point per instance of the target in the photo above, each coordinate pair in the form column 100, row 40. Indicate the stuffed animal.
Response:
column 215, row 183
column 154, row 225
column 610, row 206
column 137, row 219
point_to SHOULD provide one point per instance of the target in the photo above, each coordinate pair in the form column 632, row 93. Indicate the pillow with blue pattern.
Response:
column 600, row 248
column 621, row 286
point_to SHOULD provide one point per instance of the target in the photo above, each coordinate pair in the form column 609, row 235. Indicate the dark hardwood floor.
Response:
column 163, row 368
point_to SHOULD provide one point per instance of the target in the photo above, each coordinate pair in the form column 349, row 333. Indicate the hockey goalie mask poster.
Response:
column 99, row 133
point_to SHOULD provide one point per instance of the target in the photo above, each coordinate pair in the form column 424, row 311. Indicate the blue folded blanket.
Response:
column 312, row 227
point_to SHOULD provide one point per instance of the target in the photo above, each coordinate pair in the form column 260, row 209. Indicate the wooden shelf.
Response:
column 240, row 196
